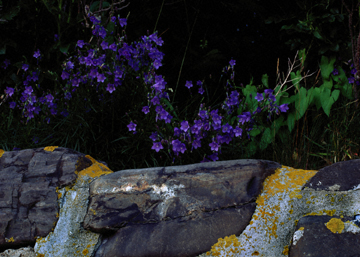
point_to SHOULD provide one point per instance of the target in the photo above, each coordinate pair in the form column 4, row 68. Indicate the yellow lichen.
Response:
column 11, row 240
column 85, row 251
column 40, row 255
column 95, row 170
column 58, row 192
column 50, row 148
column 1, row 152
column 335, row 225
column 286, row 250
column 330, row 212
column 228, row 245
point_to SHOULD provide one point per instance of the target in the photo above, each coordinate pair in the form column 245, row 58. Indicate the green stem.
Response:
column 158, row 16
column 183, row 60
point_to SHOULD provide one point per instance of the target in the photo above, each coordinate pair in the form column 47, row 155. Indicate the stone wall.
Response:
column 58, row 202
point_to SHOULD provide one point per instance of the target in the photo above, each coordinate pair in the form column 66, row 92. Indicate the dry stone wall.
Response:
column 58, row 202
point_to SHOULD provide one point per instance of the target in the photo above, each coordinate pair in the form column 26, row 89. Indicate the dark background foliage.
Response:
column 200, row 37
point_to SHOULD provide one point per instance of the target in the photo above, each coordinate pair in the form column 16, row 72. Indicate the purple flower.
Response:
column 113, row 19
column 335, row 72
column 259, row 97
column 203, row 114
column 132, row 126
column 157, row 146
column 146, row 109
column 80, row 43
column 37, row 54
column 178, row 146
column 351, row 80
column 75, row 82
column 155, row 101
column 154, row 136
column 216, row 118
column 69, row 65
column 104, row 45
column 226, row 128
column 353, row 71
column 184, row 126
column 101, row 77
column 112, row 47
column 214, row 157
column 6, row 63
column 268, row 91
column 188, row 84
column 238, row 131
column 214, row 146
column 232, row 62
column 9, row 91
column 283, row 107
column 25, row 66
column 12, row 105
column 177, row 132
column 196, row 143
column 245, row 117
column 56, row 37
column 49, row 98
column 157, row 40
column 67, row 96
column 110, row 88
column 159, row 83
column 201, row 90
column 122, row 22
column 28, row 90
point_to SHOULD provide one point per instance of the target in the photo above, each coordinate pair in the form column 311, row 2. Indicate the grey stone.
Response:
column 340, row 176
column 153, row 202
column 21, row 252
column 28, row 198
column 314, row 237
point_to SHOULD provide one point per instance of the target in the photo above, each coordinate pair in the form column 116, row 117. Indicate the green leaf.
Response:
column 64, row 48
column 3, row 50
column 301, row 103
column 296, row 78
column 265, row 80
column 327, row 101
column 291, row 121
column 169, row 105
column 327, row 66
column 266, row 139
column 317, row 34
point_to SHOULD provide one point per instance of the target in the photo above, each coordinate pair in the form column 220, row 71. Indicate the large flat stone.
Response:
column 156, row 201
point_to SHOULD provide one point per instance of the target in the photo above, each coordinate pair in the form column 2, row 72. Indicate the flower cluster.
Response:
column 190, row 135
column 104, row 67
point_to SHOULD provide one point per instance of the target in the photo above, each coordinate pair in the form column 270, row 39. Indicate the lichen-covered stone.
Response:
column 329, row 236
column 29, row 184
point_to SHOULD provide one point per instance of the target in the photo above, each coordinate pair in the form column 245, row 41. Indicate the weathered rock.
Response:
column 69, row 238
column 22, row 252
column 175, row 211
column 201, row 202
column 340, row 176
column 326, row 236
column 29, row 180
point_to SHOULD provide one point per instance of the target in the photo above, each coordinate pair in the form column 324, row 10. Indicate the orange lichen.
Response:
column 58, row 192
column 335, row 225
column 1, row 152
column 95, row 170
column 50, row 148
column 11, row 240
column 228, row 245
column 286, row 250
